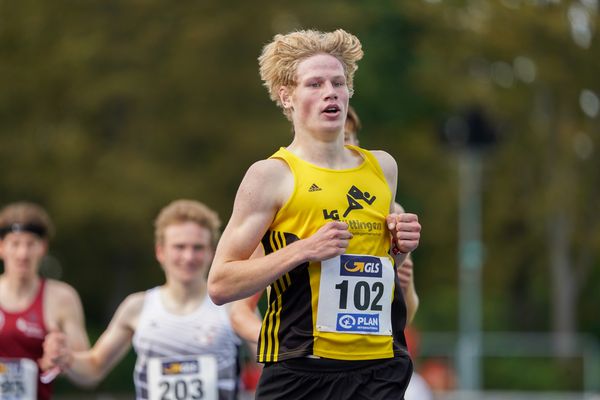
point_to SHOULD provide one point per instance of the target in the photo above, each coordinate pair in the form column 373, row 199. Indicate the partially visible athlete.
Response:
column 405, row 271
column 31, row 306
column 185, row 344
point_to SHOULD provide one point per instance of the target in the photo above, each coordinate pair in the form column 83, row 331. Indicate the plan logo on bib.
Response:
column 358, row 322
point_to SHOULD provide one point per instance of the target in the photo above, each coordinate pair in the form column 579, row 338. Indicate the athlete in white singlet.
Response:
column 206, row 331
column 185, row 344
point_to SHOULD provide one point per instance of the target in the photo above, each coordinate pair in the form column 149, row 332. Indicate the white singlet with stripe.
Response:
column 206, row 331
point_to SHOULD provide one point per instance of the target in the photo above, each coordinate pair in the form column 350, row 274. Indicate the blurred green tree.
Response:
column 532, row 65
column 110, row 109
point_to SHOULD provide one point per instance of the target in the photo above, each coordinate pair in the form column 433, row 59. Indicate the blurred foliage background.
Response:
column 110, row 109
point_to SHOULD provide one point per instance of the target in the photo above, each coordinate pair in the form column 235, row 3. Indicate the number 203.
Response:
column 179, row 390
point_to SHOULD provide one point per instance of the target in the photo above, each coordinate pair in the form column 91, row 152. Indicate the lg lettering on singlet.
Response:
column 355, row 295
column 182, row 378
column 18, row 379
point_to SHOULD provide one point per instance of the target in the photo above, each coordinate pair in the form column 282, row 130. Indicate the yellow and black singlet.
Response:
column 347, row 307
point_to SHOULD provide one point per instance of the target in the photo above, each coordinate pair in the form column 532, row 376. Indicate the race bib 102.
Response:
column 355, row 295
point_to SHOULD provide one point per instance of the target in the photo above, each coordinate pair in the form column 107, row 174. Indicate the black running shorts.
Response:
column 323, row 379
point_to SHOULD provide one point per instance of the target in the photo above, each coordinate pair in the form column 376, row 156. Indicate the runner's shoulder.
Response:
column 384, row 158
column 60, row 292
column 133, row 303
column 268, row 169
column 267, row 179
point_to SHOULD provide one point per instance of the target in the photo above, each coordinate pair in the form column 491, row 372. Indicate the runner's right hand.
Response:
column 56, row 351
column 329, row 241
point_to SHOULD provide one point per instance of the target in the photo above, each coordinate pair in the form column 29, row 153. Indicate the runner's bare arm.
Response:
column 405, row 230
column 72, row 320
column 263, row 191
column 244, row 314
column 411, row 299
column 407, row 282
column 244, row 318
column 64, row 314
column 87, row 368
column 404, row 227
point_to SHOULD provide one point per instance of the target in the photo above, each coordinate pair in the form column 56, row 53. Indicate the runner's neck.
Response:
column 16, row 293
column 183, row 299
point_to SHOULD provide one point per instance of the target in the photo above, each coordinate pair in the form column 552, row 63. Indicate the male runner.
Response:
column 31, row 306
column 185, row 345
column 324, row 214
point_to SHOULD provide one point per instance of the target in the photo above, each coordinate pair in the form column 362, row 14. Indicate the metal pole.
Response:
column 470, row 261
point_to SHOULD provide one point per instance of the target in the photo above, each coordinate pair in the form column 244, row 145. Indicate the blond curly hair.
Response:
column 279, row 59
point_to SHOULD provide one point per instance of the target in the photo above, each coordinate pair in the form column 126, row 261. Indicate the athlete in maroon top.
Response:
column 31, row 307
column 22, row 334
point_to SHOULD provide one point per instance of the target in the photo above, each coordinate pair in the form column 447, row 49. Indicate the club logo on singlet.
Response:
column 30, row 328
column 180, row 367
column 354, row 197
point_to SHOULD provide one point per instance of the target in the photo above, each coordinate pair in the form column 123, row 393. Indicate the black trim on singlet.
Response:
column 288, row 322
column 399, row 312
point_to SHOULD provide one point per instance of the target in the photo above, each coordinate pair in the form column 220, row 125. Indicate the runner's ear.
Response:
column 285, row 95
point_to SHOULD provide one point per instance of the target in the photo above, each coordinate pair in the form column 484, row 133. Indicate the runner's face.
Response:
column 186, row 252
column 320, row 99
column 22, row 253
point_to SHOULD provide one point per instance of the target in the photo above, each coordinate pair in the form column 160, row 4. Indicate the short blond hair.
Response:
column 26, row 216
column 279, row 59
column 180, row 211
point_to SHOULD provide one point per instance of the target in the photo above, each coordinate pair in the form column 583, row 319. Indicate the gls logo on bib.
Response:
column 366, row 266
column 180, row 367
